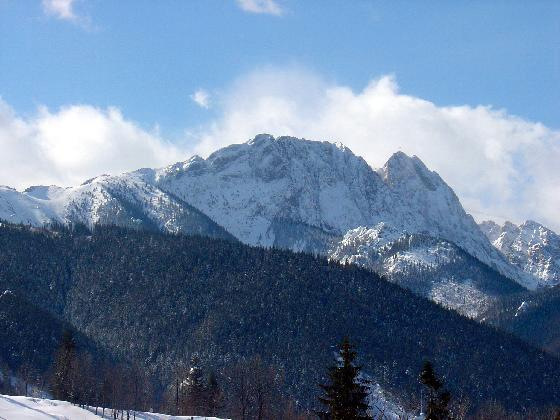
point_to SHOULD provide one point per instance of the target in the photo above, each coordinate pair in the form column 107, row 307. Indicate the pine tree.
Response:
column 438, row 397
column 345, row 396
column 214, row 398
column 62, row 385
column 195, row 389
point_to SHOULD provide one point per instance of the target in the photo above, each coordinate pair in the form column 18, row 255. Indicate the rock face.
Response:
column 529, row 246
column 252, row 188
column 285, row 192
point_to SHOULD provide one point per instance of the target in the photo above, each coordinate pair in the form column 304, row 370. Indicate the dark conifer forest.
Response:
column 141, row 306
column 532, row 316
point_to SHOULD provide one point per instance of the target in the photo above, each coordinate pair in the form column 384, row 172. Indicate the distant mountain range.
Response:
column 402, row 220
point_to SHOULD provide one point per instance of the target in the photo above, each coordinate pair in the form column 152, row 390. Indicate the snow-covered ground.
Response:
column 27, row 408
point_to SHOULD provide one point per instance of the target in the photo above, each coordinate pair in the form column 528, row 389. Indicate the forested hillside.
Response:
column 534, row 317
column 158, row 299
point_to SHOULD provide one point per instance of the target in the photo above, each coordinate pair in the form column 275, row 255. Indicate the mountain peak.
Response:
column 530, row 246
column 531, row 224
column 260, row 139
column 491, row 229
column 96, row 179
column 400, row 156
column 402, row 168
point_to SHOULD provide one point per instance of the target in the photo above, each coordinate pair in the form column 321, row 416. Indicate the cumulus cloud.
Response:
column 61, row 9
column 269, row 7
column 75, row 143
column 201, row 98
column 501, row 166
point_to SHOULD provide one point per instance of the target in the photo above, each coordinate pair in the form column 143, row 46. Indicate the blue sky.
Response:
column 147, row 57
column 471, row 87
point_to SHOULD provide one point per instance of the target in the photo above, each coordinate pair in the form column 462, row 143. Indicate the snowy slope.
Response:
column 431, row 267
column 529, row 246
column 27, row 408
column 285, row 192
column 247, row 187
column 125, row 200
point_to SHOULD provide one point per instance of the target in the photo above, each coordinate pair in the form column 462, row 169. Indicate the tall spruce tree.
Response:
column 345, row 395
column 195, row 389
column 214, row 397
column 62, row 383
column 438, row 397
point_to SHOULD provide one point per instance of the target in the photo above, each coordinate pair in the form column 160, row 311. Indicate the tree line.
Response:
column 346, row 397
column 249, row 389
column 252, row 390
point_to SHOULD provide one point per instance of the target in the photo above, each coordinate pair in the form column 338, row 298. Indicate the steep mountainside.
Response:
column 529, row 246
column 252, row 188
column 160, row 298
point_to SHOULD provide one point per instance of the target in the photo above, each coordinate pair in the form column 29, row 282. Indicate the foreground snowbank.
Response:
column 27, row 408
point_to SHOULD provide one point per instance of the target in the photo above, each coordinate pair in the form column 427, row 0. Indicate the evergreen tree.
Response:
column 214, row 402
column 62, row 385
column 438, row 397
column 29, row 376
column 345, row 396
column 195, row 389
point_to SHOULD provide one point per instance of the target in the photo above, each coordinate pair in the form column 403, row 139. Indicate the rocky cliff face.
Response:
column 529, row 246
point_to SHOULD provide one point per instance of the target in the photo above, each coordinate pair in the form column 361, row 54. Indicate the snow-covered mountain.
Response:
column 530, row 246
column 284, row 192
column 311, row 196
column 253, row 189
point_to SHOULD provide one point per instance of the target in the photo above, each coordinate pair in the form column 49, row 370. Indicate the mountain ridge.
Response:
column 530, row 246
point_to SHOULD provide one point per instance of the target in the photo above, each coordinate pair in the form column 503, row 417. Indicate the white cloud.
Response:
column 61, row 9
column 269, row 7
column 501, row 166
column 201, row 98
column 74, row 144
